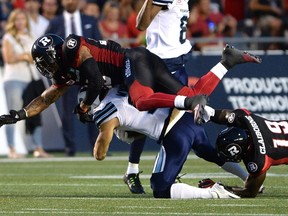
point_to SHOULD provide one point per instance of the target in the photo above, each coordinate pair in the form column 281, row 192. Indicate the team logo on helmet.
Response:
column 71, row 43
column 233, row 150
column 45, row 41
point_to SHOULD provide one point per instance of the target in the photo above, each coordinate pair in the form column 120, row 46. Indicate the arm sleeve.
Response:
column 229, row 117
column 95, row 80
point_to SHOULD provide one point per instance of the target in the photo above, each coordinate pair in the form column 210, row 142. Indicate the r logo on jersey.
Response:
column 71, row 43
column 231, row 117
column 252, row 167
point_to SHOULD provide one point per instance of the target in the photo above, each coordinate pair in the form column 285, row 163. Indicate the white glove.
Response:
column 124, row 136
column 208, row 112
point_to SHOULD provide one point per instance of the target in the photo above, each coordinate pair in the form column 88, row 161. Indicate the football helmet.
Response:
column 232, row 143
column 47, row 54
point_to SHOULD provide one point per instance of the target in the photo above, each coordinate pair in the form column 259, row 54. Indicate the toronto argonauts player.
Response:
column 176, row 132
column 165, row 22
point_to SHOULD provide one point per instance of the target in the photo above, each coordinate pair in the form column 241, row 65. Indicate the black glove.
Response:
column 205, row 183
column 13, row 117
column 84, row 117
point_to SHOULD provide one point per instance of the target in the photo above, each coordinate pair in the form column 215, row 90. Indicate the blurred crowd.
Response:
column 212, row 21
column 209, row 19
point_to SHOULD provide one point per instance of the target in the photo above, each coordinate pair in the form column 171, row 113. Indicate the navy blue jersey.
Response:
column 269, row 144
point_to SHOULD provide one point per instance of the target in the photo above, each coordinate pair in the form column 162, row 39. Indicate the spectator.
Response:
column 268, row 18
column 38, row 23
column 91, row 8
column 110, row 25
column 50, row 9
column 126, row 9
column 206, row 24
column 18, row 73
column 88, row 27
column 133, row 32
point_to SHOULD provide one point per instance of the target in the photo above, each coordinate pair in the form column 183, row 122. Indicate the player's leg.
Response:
column 169, row 162
column 131, row 177
column 155, row 87
column 175, row 148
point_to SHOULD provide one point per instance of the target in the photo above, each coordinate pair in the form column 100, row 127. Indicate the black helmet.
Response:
column 232, row 143
column 47, row 53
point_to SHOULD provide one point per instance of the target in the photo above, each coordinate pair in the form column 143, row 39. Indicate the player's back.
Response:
column 166, row 35
column 116, row 104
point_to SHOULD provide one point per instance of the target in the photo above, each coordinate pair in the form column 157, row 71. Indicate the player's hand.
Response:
column 11, row 118
column 84, row 117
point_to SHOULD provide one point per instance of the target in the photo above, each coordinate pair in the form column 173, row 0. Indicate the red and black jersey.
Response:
column 269, row 145
column 109, row 56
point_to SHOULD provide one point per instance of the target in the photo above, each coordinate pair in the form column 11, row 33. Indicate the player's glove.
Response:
column 13, row 117
column 84, row 117
column 205, row 183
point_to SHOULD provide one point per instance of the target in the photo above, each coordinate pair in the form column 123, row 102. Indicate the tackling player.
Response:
column 259, row 142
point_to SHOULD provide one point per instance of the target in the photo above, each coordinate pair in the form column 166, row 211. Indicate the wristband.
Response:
column 22, row 114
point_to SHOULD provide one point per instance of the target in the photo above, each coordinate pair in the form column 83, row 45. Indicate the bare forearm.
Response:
column 244, row 192
column 36, row 106
column 42, row 102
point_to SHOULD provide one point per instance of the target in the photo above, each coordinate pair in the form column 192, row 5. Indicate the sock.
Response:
column 184, row 191
column 235, row 169
column 132, row 168
column 219, row 70
column 179, row 101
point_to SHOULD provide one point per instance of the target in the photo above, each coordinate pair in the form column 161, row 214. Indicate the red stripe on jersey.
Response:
column 103, row 54
column 246, row 111
column 271, row 162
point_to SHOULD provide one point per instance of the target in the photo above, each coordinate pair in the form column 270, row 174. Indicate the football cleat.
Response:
column 134, row 183
column 232, row 56
column 221, row 192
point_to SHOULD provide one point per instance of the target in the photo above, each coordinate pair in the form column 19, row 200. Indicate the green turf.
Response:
column 82, row 186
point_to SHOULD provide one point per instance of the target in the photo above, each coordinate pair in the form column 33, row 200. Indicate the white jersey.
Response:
column 166, row 35
column 116, row 105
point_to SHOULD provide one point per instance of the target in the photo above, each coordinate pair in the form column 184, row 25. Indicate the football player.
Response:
column 174, row 130
column 83, row 61
column 259, row 142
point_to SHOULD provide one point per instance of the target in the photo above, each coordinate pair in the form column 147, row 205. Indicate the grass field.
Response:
column 83, row 186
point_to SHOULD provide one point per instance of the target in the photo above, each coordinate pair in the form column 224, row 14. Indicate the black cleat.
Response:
column 196, row 104
column 232, row 56
column 134, row 183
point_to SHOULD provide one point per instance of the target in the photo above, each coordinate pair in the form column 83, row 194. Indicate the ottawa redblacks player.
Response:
column 86, row 62
column 259, row 142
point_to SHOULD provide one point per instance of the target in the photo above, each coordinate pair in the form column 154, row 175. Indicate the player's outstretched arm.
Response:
column 35, row 107
column 104, row 138
column 252, row 186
